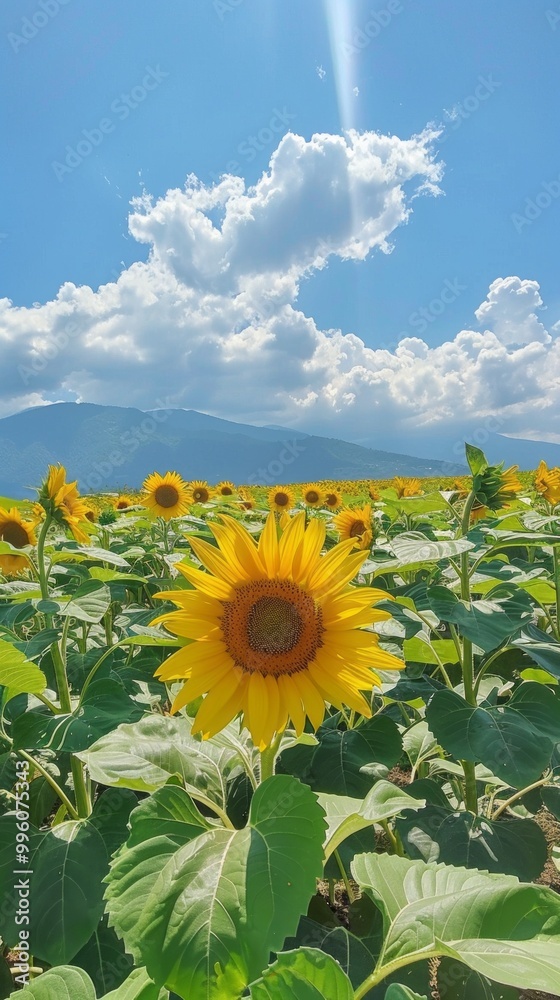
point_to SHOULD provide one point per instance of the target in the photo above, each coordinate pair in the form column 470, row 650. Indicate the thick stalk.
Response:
column 556, row 556
column 41, row 557
column 51, row 781
column 467, row 661
column 268, row 758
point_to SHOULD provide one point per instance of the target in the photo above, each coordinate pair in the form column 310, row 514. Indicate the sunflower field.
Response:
column 300, row 741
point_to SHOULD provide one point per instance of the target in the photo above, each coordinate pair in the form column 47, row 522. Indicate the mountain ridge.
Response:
column 110, row 447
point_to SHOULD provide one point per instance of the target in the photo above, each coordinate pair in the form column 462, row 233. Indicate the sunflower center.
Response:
column 272, row 627
column 312, row 496
column 332, row 500
column 122, row 504
column 200, row 495
column 166, row 495
column 357, row 529
column 226, row 491
column 282, row 499
column 15, row 534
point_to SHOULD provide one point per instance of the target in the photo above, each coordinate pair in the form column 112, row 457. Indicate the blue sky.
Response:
column 157, row 92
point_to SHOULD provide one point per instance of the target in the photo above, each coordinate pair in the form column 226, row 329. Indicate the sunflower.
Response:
column 547, row 483
column 91, row 515
column 312, row 495
column 478, row 511
column 277, row 630
column 63, row 503
column 200, row 491
column 225, row 489
column 407, row 487
column 167, row 496
column 281, row 499
column 246, row 500
column 123, row 502
column 355, row 524
column 18, row 533
column 333, row 500
column 373, row 493
column 494, row 486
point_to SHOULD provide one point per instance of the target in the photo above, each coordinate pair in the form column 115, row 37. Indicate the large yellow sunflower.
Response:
column 200, row 491
column 355, row 524
column 277, row 630
column 17, row 532
column 63, row 502
column 312, row 495
column 281, row 499
column 166, row 496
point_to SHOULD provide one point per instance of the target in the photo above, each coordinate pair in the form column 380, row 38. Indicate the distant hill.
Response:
column 109, row 447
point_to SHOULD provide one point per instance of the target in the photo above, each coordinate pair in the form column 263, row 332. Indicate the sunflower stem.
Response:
column 467, row 660
column 268, row 758
column 556, row 557
column 43, row 581
column 349, row 890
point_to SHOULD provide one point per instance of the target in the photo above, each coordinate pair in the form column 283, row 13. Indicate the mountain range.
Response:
column 112, row 447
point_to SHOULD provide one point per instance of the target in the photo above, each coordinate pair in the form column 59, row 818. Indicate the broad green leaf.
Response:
column 203, row 917
column 504, row 929
column 340, row 761
column 346, row 816
column 476, row 459
column 67, row 891
column 398, row 992
column 421, row 649
column 138, row 986
column 64, row 983
column 143, row 756
column 512, row 846
column 305, row 974
column 104, row 959
column 17, row 674
column 90, row 554
column 105, row 705
column 413, row 548
column 541, row 647
column 89, row 602
column 456, row 982
column 503, row 739
column 486, row 623
column 420, row 744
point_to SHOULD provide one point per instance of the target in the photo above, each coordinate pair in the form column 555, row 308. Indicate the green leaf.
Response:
column 104, row 959
column 541, row 647
column 501, row 738
column 90, row 554
column 138, row 986
column 345, row 816
column 397, row 992
column 340, row 760
column 64, row 983
column 499, row 927
column 514, row 846
column 66, row 890
column 476, row 458
column 105, row 705
column 17, row 674
column 305, row 974
column 423, row 650
column 145, row 755
column 485, row 623
column 88, row 603
column 413, row 548
column 203, row 917
column 456, row 982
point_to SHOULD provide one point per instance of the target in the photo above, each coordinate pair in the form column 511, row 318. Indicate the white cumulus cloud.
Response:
column 211, row 319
